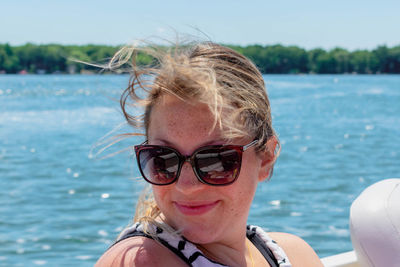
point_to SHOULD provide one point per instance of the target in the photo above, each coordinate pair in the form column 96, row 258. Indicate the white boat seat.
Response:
column 375, row 224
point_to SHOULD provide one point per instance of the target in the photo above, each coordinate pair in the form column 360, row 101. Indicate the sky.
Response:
column 350, row 24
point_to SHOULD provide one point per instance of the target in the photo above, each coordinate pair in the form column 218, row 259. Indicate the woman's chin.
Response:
column 199, row 236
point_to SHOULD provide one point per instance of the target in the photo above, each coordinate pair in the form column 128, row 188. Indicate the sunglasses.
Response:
column 213, row 165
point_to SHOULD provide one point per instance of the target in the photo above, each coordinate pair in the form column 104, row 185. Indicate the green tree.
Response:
column 269, row 59
column 313, row 55
column 341, row 58
column 75, row 57
column 381, row 53
column 325, row 63
column 393, row 64
column 9, row 62
column 362, row 61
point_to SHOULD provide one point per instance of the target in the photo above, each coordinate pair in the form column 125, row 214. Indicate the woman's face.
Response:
column 204, row 213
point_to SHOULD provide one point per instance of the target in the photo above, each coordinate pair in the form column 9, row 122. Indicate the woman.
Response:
column 209, row 143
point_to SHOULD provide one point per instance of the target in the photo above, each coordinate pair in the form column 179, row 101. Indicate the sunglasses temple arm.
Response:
column 250, row 145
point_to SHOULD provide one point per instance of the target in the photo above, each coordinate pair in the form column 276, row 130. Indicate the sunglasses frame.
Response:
column 191, row 159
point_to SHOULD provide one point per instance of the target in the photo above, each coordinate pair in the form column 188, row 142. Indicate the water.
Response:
column 59, row 206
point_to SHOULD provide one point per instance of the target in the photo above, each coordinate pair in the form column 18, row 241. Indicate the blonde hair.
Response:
column 227, row 82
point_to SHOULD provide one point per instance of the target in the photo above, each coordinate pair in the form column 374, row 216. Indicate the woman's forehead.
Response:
column 177, row 116
column 183, row 125
column 172, row 113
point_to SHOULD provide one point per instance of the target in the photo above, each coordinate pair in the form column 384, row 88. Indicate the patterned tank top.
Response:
column 190, row 254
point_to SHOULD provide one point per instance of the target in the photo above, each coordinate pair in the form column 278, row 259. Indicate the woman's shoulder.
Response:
column 296, row 249
column 139, row 251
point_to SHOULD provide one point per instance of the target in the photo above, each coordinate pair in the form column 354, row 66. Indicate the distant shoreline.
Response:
column 271, row 59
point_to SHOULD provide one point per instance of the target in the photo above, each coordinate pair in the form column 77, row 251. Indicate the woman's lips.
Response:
column 195, row 208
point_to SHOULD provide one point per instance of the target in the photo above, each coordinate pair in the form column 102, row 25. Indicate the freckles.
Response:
column 172, row 126
column 235, row 212
column 174, row 129
column 240, row 204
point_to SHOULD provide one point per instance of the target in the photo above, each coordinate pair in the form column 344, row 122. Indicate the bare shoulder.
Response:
column 139, row 251
column 297, row 250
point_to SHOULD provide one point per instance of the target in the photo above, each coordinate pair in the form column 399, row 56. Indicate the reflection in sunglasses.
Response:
column 217, row 166
column 220, row 175
column 213, row 165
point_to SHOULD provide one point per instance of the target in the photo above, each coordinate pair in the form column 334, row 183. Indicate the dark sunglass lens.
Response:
column 218, row 165
column 159, row 165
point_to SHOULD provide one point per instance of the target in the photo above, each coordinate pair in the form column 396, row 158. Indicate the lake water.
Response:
column 59, row 206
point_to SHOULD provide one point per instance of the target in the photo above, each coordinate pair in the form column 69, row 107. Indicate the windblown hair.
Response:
column 227, row 82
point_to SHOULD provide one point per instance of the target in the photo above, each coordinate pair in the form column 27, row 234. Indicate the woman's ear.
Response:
column 267, row 159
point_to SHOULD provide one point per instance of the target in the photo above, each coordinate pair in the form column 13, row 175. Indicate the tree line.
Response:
column 276, row 59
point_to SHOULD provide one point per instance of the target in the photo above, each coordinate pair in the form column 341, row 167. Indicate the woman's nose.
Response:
column 187, row 182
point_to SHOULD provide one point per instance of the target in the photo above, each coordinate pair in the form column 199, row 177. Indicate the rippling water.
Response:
column 59, row 206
